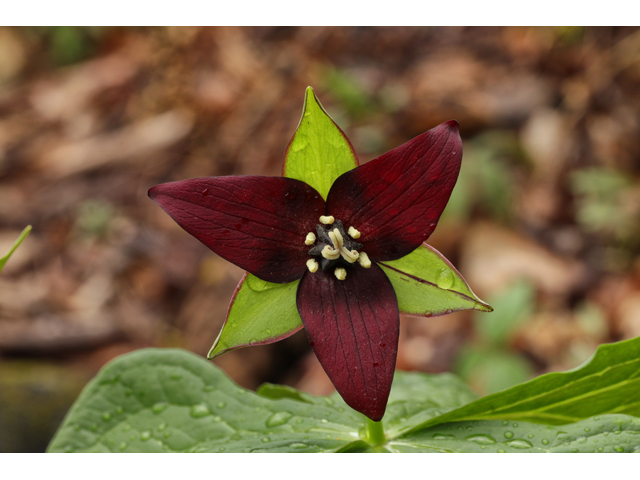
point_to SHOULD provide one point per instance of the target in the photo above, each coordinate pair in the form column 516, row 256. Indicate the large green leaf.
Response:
column 260, row 313
column 426, row 284
column 608, row 433
column 608, row 383
column 319, row 152
column 15, row 245
column 173, row 401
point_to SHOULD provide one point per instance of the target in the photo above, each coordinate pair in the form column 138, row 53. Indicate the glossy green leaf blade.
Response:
column 608, row 433
column 173, row 401
column 15, row 245
column 260, row 313
column 426, row 284
column 608, row 383
column 319, row 151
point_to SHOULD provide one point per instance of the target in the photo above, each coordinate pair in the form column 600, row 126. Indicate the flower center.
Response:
column 334, row 248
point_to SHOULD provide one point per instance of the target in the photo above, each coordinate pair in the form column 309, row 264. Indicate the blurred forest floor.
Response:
column 544, row 222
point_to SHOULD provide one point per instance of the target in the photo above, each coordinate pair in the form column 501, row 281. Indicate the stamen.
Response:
column 328, row 220
column 311, row 238
column 353, row 232
column 363, row 260
column 349, row 255
column 312, row 265
column 336, row 239
column 330, row 253
column 340, row 273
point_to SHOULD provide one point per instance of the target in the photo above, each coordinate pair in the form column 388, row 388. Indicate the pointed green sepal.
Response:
column 426, row 284
column 319, row 151
column 260, row 313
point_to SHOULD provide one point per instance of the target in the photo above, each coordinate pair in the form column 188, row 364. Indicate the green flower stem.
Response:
column 375, row 433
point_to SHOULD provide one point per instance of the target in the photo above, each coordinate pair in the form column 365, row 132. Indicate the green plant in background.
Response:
column 16, row 244
column 489, row 364
column 486, row 178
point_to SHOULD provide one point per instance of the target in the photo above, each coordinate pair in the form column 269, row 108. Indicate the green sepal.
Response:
column 15, row 245
column 260, row 313
column 426, row 284
column 319, row 151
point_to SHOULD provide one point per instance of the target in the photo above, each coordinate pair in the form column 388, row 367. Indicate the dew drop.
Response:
column 501, row 451
column 519, row 444
column 119, row 410
column 199, row 411
column 443, row 436
column 481, row 439
column 221, row 405
column 428, row 314
column 94, row 427
column 324, row 420
column 209, row 388
column 382, row 344
column 445, row 279
column 298, row 446
column 278, row 418
column 106, row 416
column 545, row 441
column 375, row 364
column 508, row 434
column 449, row 311
column 587, row 429
column 126, row 427
column 166, row 434
column 505, row 422
column 159, row 407
column 574, row 450
column 144, row 436
column 221, row 449
column 619, row 449
column 268, row 332
column 515, row 425
column 530, row 435
column 600, row 449
column 162, row 426
column 122, row 446
column 205, row 191
column 265, row 439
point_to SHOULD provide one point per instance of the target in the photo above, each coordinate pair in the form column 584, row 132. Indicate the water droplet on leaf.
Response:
column 265, row 439
column 508, row 434
column 481, row 439
column 221, row 405
column 445, row 279
column 278, row 418
column 199, row 411
column 545, row 441
column 159, row 407
column 144, row 436
column 106, row 416
column 519, row 444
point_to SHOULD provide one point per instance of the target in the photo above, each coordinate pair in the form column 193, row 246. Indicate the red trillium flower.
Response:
column 281, row 230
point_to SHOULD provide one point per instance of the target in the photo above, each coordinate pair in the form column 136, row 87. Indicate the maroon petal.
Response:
column 353, row 326
column 395, row 201
column 258, row 223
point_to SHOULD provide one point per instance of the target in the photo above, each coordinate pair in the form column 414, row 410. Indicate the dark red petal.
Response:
column 258, row 223
column 353, row 325
column 396, row 200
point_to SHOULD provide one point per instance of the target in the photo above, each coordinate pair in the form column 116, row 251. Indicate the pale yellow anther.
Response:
column 311, row 238
column 312, row 265
column 349, row 255
column 363, row 260
column 330, row 253
column 328, row 220
column 336, row 239
column 353, row 232
column 340, row 273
